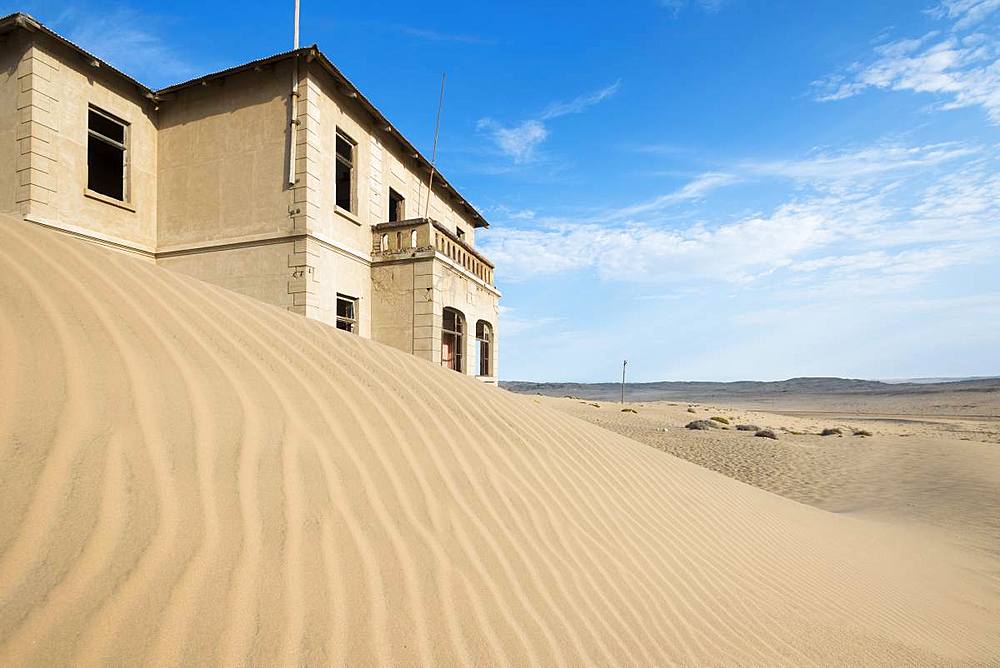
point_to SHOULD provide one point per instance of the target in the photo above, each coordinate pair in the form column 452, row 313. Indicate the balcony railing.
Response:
column 425, row 234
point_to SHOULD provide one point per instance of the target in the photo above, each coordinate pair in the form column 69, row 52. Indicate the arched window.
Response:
column 384, row 246
column 413, row 238
column 484, row 339
column 453, row 339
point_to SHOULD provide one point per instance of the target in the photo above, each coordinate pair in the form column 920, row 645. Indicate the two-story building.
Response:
column 277, row 179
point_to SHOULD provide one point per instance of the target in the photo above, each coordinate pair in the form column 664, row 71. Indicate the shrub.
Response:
column 691, row 410
column 862, row 432
column 720, row 420
column 629, row 410
column 766, row 433
column 701, row 425
column 747, row 427
column 831, row 431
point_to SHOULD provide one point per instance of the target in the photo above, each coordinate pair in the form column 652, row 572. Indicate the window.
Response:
column 484, row 337
column 461, row 233
column 346, row 150
column 452, row 339
column 107, row 154
column 413, row 238
column 347, row 313
column 384, row 245
column 396, row 211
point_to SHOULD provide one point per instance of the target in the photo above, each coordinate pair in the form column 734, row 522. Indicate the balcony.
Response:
column 423, row 237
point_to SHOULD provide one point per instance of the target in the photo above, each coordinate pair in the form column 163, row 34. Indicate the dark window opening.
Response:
column 484, row 337
column 347, row 313
column 344, row 184
column 395, row 206
column 461, row 233
column 106, row 155
column 452, row 339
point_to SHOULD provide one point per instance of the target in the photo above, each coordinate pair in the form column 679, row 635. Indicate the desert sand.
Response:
column 191, row 477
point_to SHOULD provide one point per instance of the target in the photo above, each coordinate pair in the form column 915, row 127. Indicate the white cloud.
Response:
column 880, row 229
column 520, row 141
column 962, row 68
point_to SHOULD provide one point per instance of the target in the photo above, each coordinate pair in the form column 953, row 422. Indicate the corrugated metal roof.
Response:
column 22, row 20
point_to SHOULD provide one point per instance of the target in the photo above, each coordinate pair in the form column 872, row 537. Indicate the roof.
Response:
column 311, row 53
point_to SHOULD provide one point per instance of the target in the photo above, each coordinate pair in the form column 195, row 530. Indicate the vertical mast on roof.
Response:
column 293, row 106
column 434, row 151
column 295, row 39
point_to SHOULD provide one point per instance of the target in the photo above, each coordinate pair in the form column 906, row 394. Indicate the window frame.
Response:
column 394, row 195
column 351, row 322
column 458, row 337
column 484, row 337
column 122, row 146
column 352, row 167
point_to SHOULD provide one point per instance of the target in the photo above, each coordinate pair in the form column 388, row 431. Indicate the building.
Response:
column 277, row 179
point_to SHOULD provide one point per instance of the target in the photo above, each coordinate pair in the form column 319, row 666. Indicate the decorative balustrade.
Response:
column 424, row 234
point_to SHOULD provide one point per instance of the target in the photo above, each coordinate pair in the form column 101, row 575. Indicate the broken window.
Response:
column 461, row 233
column 396, row 212
column 452, row 339
column 347, row 313
column 107, row 154
column 346, row 149
column 484, row 337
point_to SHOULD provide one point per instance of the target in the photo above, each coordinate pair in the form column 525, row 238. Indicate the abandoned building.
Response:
column 276, row 179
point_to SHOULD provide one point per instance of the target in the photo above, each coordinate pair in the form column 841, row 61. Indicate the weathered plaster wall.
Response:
column 335, row 272
column 55, row 91
column 397, row 304
column 258, row 271
column 12, row 48
column 223, row 160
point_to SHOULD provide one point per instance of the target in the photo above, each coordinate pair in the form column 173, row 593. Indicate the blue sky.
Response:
column 713, row 189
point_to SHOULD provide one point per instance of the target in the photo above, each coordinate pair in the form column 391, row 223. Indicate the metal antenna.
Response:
column 434, row 151
column 624, row 364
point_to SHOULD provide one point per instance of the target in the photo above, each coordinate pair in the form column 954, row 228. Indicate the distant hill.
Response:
column 696, row 390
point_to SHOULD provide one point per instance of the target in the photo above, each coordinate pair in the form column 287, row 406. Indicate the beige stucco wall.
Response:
column 56, row 88
column 259, row 271
column 12, row 48
column 336, row 272
column 223, row 159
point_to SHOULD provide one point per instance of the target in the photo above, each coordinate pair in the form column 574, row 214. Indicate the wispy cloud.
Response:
column 438, row 36
column 520, row 141
column 128, row 39
column 886, row 230
column 961, row 66
column 579, row 103
column 676, row 6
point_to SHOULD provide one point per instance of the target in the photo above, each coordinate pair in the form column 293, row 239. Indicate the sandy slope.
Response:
column 187, row 476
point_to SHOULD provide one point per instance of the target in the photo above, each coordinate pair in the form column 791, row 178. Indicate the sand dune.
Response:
column 188, row 477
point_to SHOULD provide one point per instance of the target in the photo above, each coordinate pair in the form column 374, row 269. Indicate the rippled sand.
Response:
column 191, row 477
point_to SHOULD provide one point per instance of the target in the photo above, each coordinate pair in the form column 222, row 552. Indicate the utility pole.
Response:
column 624, row 364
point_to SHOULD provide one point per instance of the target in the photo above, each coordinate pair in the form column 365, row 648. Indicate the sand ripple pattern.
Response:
column 190, row 477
